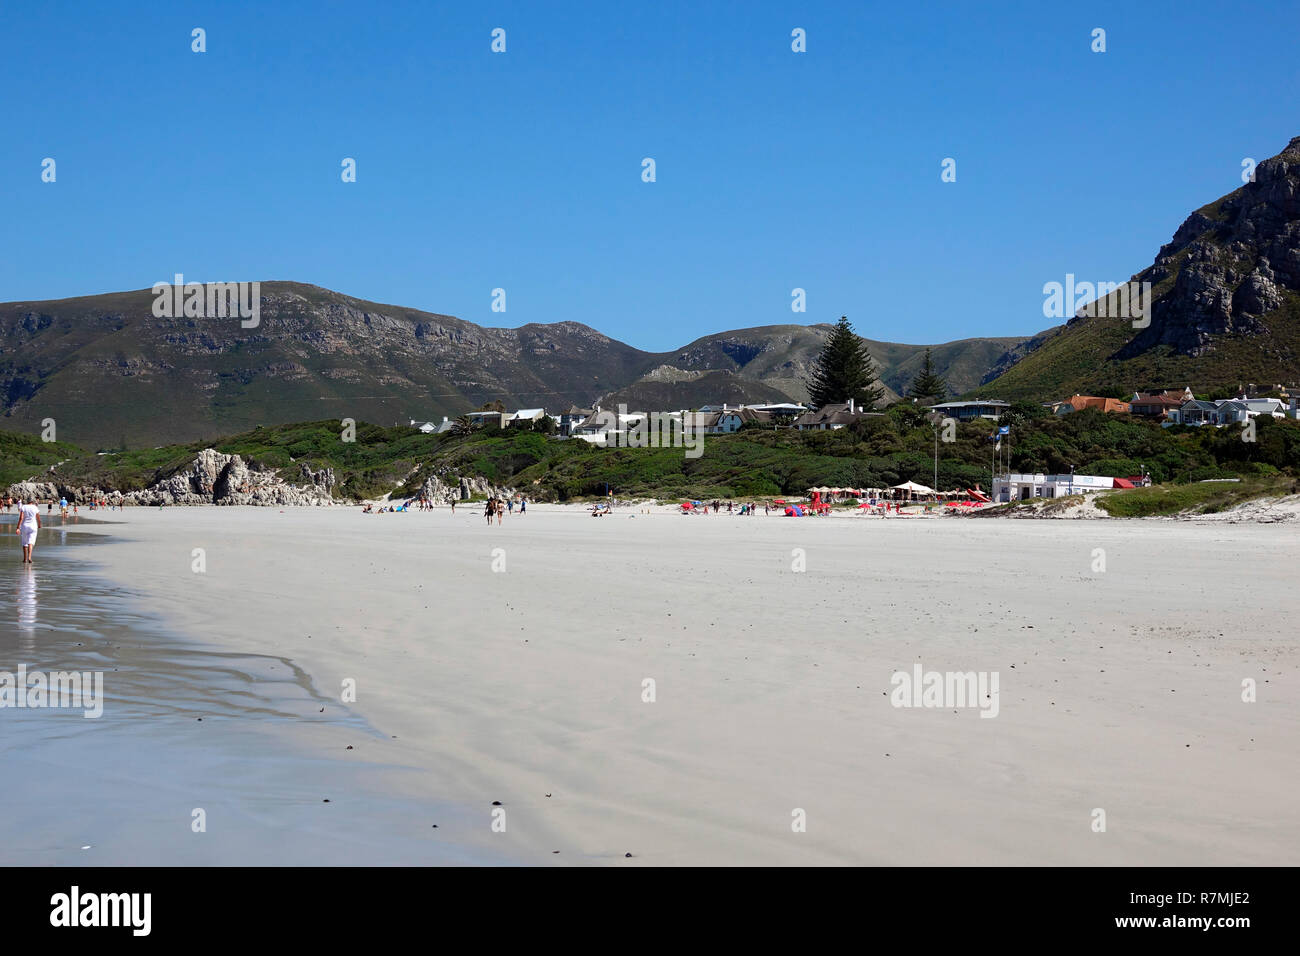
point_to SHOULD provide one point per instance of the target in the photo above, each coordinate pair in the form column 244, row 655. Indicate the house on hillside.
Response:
column 571, row 417
column 730, row 420
column 966, row 411
column 781, row 413
column 525, row 417
column 833, row 416
column 1077, row 403
column 596, row 427
column 482, row 419
column 607, row 428
column 1183, row 394
column 1225, row 411
column 1159, row 402
column 700, row 423
column 1156, row 406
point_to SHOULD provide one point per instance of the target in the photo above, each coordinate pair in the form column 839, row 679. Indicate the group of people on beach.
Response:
column 494, row 507
column 498, row 507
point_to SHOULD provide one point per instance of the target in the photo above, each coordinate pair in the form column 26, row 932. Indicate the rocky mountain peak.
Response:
column 1229, row 264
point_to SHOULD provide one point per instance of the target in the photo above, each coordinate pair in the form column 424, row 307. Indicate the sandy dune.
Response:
column 1119, row 689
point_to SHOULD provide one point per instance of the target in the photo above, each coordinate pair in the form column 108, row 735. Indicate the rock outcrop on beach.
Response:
column 443, row 488
column 33, row 491
column 212, row 478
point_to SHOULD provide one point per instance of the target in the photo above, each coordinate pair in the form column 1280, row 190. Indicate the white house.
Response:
column 731, row 419
column 966, row 411
column 780, row 409
column 526, row 416
column 1225, row 411
column 1017, row 487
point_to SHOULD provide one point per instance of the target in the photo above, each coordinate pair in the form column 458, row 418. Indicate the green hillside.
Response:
column 755, row 461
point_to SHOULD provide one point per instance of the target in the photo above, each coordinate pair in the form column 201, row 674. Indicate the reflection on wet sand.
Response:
column 247, row 737
column 68, row 621
column 26, row 601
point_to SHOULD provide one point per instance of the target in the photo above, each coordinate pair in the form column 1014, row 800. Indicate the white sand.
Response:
column 1119, row 690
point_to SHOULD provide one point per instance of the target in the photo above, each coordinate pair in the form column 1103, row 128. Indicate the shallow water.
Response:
column 247, row 739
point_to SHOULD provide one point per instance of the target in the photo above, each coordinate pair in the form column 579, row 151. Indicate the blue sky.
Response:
column 522, row 170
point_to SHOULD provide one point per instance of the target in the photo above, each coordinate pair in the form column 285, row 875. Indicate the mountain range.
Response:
column 1225, row 312
column 111, row 373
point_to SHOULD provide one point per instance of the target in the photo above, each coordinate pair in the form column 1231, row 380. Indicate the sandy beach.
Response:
column 509, row 665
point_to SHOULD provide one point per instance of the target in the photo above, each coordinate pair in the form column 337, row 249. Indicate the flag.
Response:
column 1004, row 430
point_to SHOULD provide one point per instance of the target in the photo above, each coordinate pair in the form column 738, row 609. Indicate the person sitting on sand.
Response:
column 368, row 509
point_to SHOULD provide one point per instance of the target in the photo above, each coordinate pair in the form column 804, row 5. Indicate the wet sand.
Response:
column 246, row 737
column 1119, row 690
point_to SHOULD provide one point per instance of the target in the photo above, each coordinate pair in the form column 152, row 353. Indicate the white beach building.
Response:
column 1017, row 486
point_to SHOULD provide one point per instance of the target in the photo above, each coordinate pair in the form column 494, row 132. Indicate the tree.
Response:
column 928, row 382
column 545, row 425
column 844, row 370
column 463, row 425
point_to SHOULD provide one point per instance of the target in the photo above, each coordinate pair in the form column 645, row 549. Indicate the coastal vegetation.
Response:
column 1208, row 497
column 24, row 456
column 757, row 461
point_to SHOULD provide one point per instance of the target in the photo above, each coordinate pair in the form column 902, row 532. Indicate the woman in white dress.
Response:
column 29, row 522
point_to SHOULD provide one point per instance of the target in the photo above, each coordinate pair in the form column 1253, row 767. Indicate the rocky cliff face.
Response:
column 211, row 479
column 108, row 370
column 441, row 489
column 1225, row 313
column 1231, row 263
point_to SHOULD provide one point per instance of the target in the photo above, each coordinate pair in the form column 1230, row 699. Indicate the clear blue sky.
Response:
column 522, row 170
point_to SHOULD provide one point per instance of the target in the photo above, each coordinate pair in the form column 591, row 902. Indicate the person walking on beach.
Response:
column 488, row 507
column 523, row 505
column 500, row 510
column 453, row 505
column 29, row 522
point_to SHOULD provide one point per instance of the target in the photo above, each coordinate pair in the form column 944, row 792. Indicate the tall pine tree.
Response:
column 844, row 370
column 928, row 382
